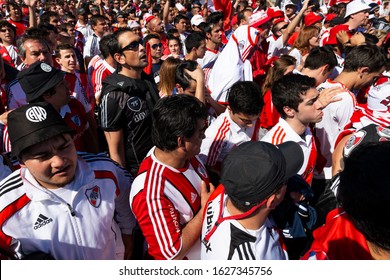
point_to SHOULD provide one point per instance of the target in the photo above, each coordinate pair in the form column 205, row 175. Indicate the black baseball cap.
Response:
column 255, row 170
column 38, row 79
column 34, row 123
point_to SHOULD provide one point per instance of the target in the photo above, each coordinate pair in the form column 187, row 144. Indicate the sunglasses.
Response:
column 155, row 46
column 133, row 46
column 5, row 30
column 283, row 27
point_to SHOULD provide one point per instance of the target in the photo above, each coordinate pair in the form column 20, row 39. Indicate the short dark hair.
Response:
column 176, row 116
column 172, row 31
column 287, row 91
column 96, row 18
column 104, row 45
column 364, row 191
column 214, row 17
column 319, row 57
column 151, row 36
column 245, row 97
column 182, row 78
column 178, row 18
column 4, row 23
column 364, row 56
column 45, row 17
column 63, row 47
column 194, row 39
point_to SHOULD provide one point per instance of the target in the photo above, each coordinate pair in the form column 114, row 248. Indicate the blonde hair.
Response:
column 167, row 76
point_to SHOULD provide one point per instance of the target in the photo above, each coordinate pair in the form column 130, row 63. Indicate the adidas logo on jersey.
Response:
column 42, row 221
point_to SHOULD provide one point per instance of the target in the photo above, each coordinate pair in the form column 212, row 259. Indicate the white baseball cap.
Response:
column 196, row 20
column 356, row 6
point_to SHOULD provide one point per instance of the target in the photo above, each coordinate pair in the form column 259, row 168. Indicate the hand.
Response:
column 4, row 117
column 197, row 74
column 205, row 193
column 342, row 37
column 305, row 5
column 328, row 96
column 30, row 3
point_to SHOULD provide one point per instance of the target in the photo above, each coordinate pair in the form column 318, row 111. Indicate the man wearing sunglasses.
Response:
column 156, row 49
column 128, row 98
column 282, row 31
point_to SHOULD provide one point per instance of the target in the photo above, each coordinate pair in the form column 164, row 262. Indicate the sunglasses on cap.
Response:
column 155, row 46
column 133, row 46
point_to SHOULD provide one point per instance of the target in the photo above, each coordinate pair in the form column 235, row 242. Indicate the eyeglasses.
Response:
column 5, row 30
column 283, row 27
column 155, row 46
column 133, row 46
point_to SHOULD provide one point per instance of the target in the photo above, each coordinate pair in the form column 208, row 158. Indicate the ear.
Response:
column 58, row 60
column 180, row 142
column 325, row 69
column 179, row 88
column 119, row 58
column 363, row 71
column 289, row 111
column 271, row 202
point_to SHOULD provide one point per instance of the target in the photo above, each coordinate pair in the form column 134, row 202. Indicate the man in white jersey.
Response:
column 69, row 207
column 233, row 127
column 363, row 65
column 236, row 224
column 297, row 101
column 213, row 33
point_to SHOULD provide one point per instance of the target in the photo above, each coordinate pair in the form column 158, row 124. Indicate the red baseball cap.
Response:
column 312, row 18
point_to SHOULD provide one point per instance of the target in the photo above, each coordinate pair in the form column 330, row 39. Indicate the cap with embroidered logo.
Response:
column 32, row 124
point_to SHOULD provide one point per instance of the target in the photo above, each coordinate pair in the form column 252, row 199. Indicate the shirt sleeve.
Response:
column 111, row 109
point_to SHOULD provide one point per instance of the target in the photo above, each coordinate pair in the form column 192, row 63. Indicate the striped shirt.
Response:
column 163, row 200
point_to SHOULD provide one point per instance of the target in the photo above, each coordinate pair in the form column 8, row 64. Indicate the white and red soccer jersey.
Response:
column 20, row 26
column 336, row 117
column 82, row 220
column 222, row 136
column 276, row 46
column 338, row 239
column 283, row 132
column 226, row 239
column 75, row 117
column 9, row 54
column 164, row 200
column 80, row 89
column 94, row 63
column 101, row 71
column 209, row 56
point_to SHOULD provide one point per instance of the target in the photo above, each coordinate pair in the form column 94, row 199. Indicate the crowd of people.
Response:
column 196, row 130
